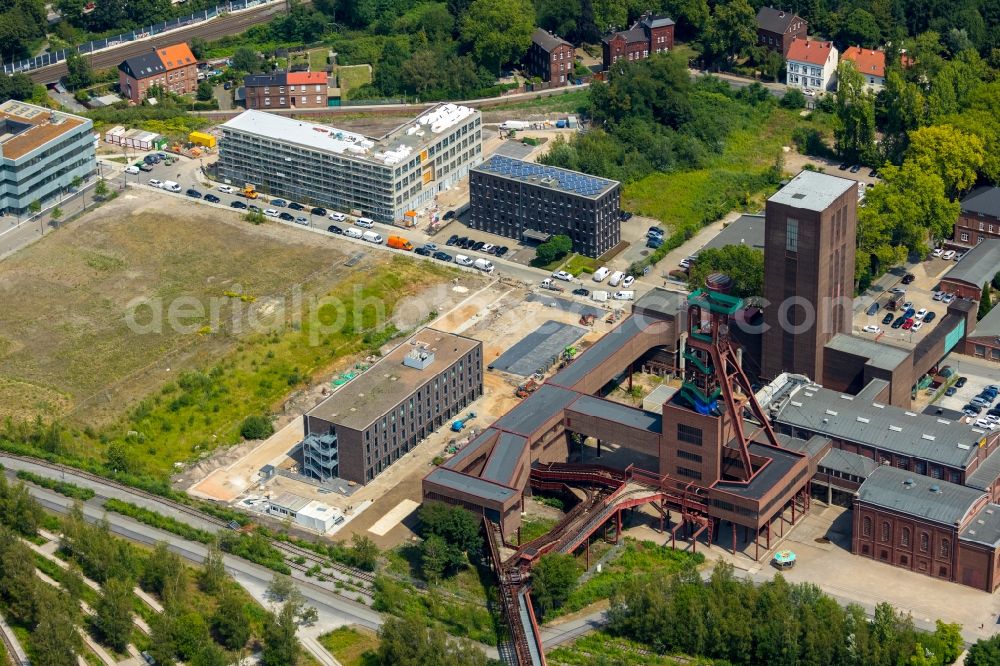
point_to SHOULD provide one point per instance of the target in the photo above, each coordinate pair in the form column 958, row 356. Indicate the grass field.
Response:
column 603, row 648
column 317, row 59
column 351, row 646
column 67, row 352
column 352, row 76
column 681, row 199
column 572, row 101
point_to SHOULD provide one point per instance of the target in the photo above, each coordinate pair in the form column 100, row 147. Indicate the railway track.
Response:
column 15, row 653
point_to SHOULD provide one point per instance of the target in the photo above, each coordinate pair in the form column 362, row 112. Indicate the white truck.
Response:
column 549, row 283
column 483, row 265
column 515, row 125
column 600, row 296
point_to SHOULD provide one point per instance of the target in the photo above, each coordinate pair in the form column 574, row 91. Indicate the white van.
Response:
column 616, row 278
column 372, row 237
column 463, row 260
column 354, row 232
column 624, row 295
column 365, row 222
column 132, row 169
column 599, row 296
column 483, row 265
column 171, row 186
column 601, row 273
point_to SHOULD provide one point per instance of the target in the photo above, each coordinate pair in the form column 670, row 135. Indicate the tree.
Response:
column 78, row 72
column 552, row 580
column 113, row 619
column 553, row 249
column 731, row 31
column 230, row 624
column 743, row 264
column 953, row 155
column 558, row 16
column 101, row 189
column 116, row 458
column 364, row 552
column 18, row 584
column 209, row 654
column 454, row 524
column 949, row 641
column 434, row 557
column 35, row 207
column 212, row 576
column 55, row 639
column 245, row 59
column 984, row 652
column 281, row 646
column 498, row 31
column 190, row 633
column 76, row 182
column 281, row 588
column 389, row 68
column 256, row 426
column 408, row 641
column 860, row 28
column 985, row 302
column 164, row 574
column 56, row 214
column 17, row 86
column 904, row 110
column 793, row 98
column 205, row 91
column 996, row 281
column 855, row 115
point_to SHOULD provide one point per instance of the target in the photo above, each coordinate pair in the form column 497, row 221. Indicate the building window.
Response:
column 904, row 538
column 690, row 473
column 866, row 526
column 693, row 457
column 945, row 549
column 792, row 235
column 965, row 237
column 925, row 542
column 885, row 530
column 689, row 434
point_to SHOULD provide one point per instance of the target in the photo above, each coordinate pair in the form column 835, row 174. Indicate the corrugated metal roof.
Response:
column 984, row 527
column 988, row 326
column 916, row 495
column 846, row 462
column 979, row 264
column 470, row 484
column 986, row 473
column 506, row 452
column 535, row 410
column 619, row 413
column 888, row 428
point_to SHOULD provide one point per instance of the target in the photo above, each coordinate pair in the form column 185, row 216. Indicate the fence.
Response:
column 47, row 59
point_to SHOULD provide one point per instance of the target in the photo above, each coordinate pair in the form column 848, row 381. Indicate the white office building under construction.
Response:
column 385, row 178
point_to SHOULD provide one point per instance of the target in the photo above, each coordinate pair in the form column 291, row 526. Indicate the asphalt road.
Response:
column 218, row 27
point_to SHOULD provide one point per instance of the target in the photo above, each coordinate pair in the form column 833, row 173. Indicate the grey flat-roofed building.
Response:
column 618, row 413
column 41, row 152
column 812, row 190
column 528, row 201
column 377, row 417
column 857, row 419
column 383, row 177
column 472, row 485
column 846, row 462
column 879, row 354
column 502, row 464
column 529, row 416
column 984, row 527
column 915, row 495
column 746, row 230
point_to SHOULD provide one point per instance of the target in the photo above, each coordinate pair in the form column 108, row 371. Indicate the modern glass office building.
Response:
column 383, row 178
column 41, row 152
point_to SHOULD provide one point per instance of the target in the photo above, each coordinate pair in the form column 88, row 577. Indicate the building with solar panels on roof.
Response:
column 533, row 202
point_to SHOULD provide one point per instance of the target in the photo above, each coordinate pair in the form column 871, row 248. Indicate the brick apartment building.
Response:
column 550, row 58
column 174, row 68
column 777, row 28
column 650, row 34
column 286, row 90
column 979, row 218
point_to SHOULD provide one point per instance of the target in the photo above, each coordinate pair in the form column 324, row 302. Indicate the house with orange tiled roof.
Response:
column 286, row 90
column 811, row 64
column 870, row 63
column 173, row 68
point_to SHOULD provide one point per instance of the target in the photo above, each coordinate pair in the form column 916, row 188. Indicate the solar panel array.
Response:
column 570, row 181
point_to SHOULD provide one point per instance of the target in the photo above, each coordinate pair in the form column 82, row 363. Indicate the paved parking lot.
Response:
column 977, row 378
column 920, row 292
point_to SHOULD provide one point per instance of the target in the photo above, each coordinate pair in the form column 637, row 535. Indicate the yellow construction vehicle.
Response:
column 249, row 191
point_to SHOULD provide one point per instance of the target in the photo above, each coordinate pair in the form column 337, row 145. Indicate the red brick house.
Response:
column 286, row 90
column 979, row 265
column 550, row 58
column 173, row 68
column 979, row 218
column 650, row 34
column 777, row 28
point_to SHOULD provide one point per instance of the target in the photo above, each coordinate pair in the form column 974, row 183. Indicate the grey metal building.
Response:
column 382, row 178
column 528, row 201
column 371, row 421
column 41, row 152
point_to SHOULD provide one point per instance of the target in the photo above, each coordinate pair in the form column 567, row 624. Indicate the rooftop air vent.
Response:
column 908, row 483
column 936, row 489
column 895, row 428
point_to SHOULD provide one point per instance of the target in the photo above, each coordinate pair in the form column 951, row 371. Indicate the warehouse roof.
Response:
column 618, row 413
column 884, row 427
column 779, row 467
column 979, row 264
column 879, row 354
column 470, row 484
column 746, row 230
column 543, row 404
column 846, row 462
column 986, row 473
column 503, row 461
column 812, row 190
column 984, row 527
column 917, row 495
column 541, row 175
column 365, row 399
column 599, row 352
column 988, row 326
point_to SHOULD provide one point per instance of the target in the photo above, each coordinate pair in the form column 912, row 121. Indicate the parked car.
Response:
column 908, row 305
column 909, row 278
column 899, row 321
column 132, row 169
column 150, row 159
column 478, row 245
column 225, row 189
column 279, row 203
column 655, row 231
column 975, row 409
column 654, row 242
column 253, row 208
column 286, row 216
column 463, row 260
column 334, row 229
column 908, row 324
column 271, row 212
column 423, row 251
column 365, row 222
column 153, row 182
column 337, row 216
column 844, row 166
column 628, row 281
column 938, row 295
column 948, row 298
column 929, row 317
column 581, row 292
column 871, row 329
column 319, row 211
column 961, row 381
column 949, row 255
column 431, row 246
column 451, row 240
column 296, row 206
column 488, row 248
column 145, row 167
column 193, row 193
column 887, row 319
column 917, row 325
column 950, row 391
column 856, row 168
column 938, row 251
column 502, row 250
column 238, row 204
column 304, row 221
column 450, row 214
column 873, row 173
column 442, row 256
column 626, row 216
column 921, row 313
column 873, row 309
column 959, row 255
column 563, row 275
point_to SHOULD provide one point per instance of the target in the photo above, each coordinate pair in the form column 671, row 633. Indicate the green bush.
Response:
column 159, row 521
column 61, row 487
column 793, row 99
column 256, row 427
